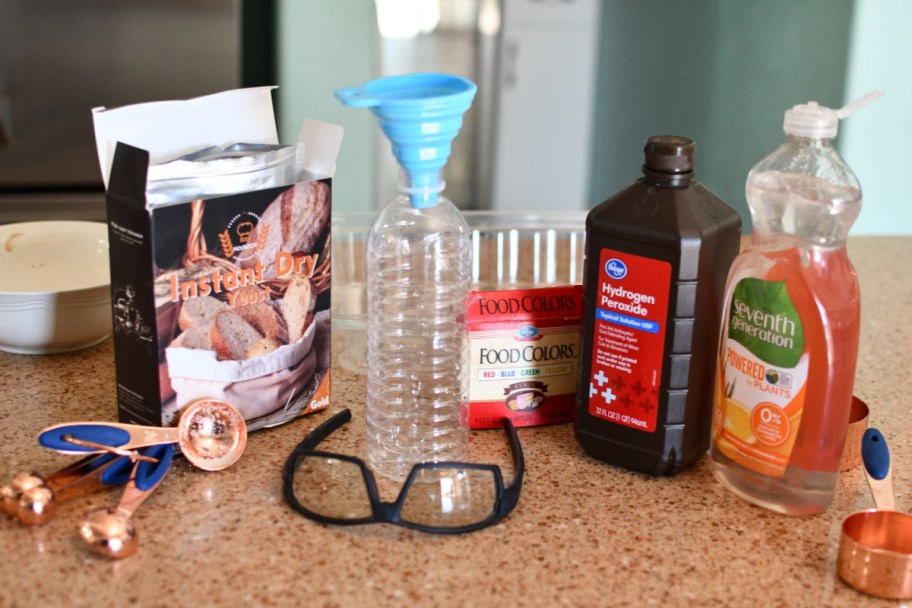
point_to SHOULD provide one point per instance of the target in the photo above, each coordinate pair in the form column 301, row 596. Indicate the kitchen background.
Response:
column 569, row 90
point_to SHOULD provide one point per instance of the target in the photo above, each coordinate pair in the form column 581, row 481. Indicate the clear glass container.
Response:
column 510, row 250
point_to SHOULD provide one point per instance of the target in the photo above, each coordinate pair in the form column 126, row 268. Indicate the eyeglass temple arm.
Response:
column 324, row 430
column 511, row 492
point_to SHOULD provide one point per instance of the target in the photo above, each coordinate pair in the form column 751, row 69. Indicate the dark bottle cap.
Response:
column 669, row 154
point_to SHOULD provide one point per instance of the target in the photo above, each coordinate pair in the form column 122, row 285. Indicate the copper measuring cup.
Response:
column 858, row 424
column 875, row 547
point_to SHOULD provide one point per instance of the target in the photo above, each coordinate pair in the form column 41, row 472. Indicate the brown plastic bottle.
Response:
column 657, row 257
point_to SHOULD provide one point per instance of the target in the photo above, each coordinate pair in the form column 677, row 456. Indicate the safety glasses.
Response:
column 438, row 497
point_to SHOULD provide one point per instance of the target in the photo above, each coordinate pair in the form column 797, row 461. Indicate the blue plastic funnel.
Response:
column 420, row 115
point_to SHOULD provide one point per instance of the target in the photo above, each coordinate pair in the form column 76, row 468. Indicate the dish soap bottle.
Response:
column 657, row 255
column 789, row 338
column 418, row 280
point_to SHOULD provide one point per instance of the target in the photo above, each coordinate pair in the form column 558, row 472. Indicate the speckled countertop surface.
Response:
column 583, row 534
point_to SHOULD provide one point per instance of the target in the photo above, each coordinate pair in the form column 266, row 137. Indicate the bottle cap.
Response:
column 819, row 122
column 420, row 114
column 669, row 154
column 811, row 120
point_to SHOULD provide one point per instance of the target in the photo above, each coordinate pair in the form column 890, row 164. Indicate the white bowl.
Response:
column 55, row 293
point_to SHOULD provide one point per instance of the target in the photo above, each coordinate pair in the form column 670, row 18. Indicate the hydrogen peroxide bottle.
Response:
column 418, row 279
column 657, row 255
column 791, row 325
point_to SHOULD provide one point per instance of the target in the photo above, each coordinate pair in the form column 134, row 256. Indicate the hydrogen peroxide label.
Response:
column 631, row 307
column 764, row 374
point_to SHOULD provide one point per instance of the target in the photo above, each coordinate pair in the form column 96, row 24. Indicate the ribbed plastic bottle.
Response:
column 419, row 274
column 789, row 338
column 657, row 254
column 418, row 280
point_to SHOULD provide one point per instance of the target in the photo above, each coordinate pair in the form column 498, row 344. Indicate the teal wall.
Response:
column 721, row 72
column 875, row 141
column 324, row 45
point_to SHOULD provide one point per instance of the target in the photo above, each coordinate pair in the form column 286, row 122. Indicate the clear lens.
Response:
column 332, row 487
column 450, row 497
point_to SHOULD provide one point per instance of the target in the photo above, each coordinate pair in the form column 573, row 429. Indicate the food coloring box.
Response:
column 525, row 355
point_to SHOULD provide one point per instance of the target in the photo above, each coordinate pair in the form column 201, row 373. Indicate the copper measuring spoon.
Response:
column 32, row 498
column 211, row 434
column 875, row 547
column 110, row 531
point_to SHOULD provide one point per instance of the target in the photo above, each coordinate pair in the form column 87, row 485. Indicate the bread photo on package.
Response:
column 245, row 328
column 292, row 223
column 223, row 236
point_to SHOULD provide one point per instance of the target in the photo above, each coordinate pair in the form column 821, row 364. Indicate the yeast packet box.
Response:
column 220, row 257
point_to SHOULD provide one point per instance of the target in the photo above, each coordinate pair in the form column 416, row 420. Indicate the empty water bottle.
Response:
column 418, row 278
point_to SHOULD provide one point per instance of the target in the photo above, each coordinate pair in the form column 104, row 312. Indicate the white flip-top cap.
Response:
column 811, row 120
column 820, row 122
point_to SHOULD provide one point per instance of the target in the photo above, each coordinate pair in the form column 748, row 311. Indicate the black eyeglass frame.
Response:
column 391, row 512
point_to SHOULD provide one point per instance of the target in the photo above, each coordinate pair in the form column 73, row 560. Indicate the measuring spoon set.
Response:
column 211, row 435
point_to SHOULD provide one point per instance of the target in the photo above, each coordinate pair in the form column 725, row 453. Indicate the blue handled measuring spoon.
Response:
column 32, row 498
column 211, row 434
column 110, row 531
column 876, row 458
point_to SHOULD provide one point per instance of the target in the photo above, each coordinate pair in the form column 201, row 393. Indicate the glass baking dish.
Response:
column 510, row 250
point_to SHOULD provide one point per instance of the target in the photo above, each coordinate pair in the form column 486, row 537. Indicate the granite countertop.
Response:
column 584, row 533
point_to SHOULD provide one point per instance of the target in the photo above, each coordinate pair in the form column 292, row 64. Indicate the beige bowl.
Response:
column 55, row 293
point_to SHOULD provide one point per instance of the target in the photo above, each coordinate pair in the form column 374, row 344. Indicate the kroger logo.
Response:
column 616, row 269
column 529, row 331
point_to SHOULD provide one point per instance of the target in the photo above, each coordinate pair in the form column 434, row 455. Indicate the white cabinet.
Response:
column 545, row 102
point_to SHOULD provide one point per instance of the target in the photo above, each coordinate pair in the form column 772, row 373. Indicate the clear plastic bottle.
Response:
column 418, row 278
column 790, row 328
column 418, row 275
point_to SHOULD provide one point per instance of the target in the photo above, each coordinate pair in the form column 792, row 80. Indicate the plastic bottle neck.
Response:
column 667, row 180
column 423, row 194
column 809, row 141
